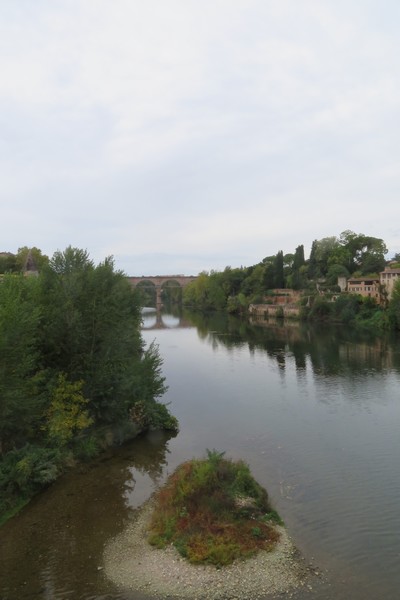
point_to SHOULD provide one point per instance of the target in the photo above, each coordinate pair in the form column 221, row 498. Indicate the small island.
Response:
column 209, row 532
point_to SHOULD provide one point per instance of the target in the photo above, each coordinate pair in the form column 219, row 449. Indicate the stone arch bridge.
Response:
column 157, row 282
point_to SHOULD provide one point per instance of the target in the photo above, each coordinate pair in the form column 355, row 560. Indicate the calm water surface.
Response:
column 315, row 413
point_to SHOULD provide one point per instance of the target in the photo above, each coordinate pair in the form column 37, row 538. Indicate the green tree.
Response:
column 71, row 354
column 275, row 268
column 253, row 285
column 297, row 277
column 361, row 252
column 334, row 272
column 313, row 269
column 171, row 293
column 67, row 413
column 7, row 262
column 396, row 260
column 196, row 293
column 237, row 304
column 279, row 279
column 324, row 249
column 22, row 254
column 232, row 279
column 394, row 307
column 20, row 408
column 92, row 332
column 216, row 297
column 298, row 260
column 269, row 272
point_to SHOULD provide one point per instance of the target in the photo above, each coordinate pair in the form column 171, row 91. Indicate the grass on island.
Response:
column 213, row 511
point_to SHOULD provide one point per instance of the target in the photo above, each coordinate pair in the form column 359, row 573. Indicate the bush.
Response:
column 153, row 415
column 25, row 471
column 321, row 309
column 86, row 448
column 214, row 512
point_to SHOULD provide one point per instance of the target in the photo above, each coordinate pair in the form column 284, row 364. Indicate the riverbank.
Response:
column 130, row 562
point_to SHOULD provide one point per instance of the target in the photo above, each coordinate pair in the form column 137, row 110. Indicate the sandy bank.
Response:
column 131, row 563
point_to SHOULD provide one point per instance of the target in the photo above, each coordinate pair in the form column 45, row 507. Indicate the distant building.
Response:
column 370, row 287
column 388, row 278
column 366, row 287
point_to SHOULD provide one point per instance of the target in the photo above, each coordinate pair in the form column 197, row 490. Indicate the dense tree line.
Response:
column 349, row 255
column 15, row 263
column 72, row 361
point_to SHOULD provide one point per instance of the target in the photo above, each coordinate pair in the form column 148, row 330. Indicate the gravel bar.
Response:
column 131, row 563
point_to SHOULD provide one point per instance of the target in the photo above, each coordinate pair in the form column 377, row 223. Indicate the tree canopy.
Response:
column 72, row 360
column 330, row 257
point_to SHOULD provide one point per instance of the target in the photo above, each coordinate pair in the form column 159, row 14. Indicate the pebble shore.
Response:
column 131, row 563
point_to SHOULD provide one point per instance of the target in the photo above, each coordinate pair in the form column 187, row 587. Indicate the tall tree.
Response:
column 298, row 260
column 92, row 331
column 394, row 306
column 279, row 279
column 22, row 255
column 322, row 252
column 20, row 407
column 360, row 252
column 312, row 262
column 297, row 278
column 7, row 262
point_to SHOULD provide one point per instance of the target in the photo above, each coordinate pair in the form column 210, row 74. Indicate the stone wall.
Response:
column 273, row 310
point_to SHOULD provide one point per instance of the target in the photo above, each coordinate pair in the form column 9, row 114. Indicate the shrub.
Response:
column 321, row 309
column 214, row 512
column 25, row 471
column 86, row 448
column 153, row 415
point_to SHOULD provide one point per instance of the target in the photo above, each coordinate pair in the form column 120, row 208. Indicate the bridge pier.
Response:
column 159, row 321
column 158, row 297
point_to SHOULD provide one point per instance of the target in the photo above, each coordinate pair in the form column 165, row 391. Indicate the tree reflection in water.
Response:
column 54, row 547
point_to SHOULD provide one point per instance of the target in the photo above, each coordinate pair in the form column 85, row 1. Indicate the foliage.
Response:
column 86, row 447
column 20, row 405
column 394, row 307
column 148, row 381
column 91, row 332
column 67, row 412
column 7, row 262
column 15, row 263
column 297, row 276
column 20, row 259
column 153, row 416
column 334, row 272
column 349, row 309
column 72, row 361
column 321, row 309
column 237, row 304
column 363, row 252
column 25, row 471
column 171, row 293
column 350, row 254
column 351, row 251
column 213, row 511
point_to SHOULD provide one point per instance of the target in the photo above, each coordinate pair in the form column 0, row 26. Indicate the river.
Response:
column 314, row 411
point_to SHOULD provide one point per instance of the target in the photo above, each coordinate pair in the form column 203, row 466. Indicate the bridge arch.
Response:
column 159, row 281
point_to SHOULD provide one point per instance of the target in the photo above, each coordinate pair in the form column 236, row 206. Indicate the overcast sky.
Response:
column 187, row 135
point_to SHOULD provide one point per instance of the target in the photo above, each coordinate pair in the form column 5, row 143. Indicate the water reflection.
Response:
column 327, row 349
column 156, row 319
column 315, row 413
column 53, row 549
